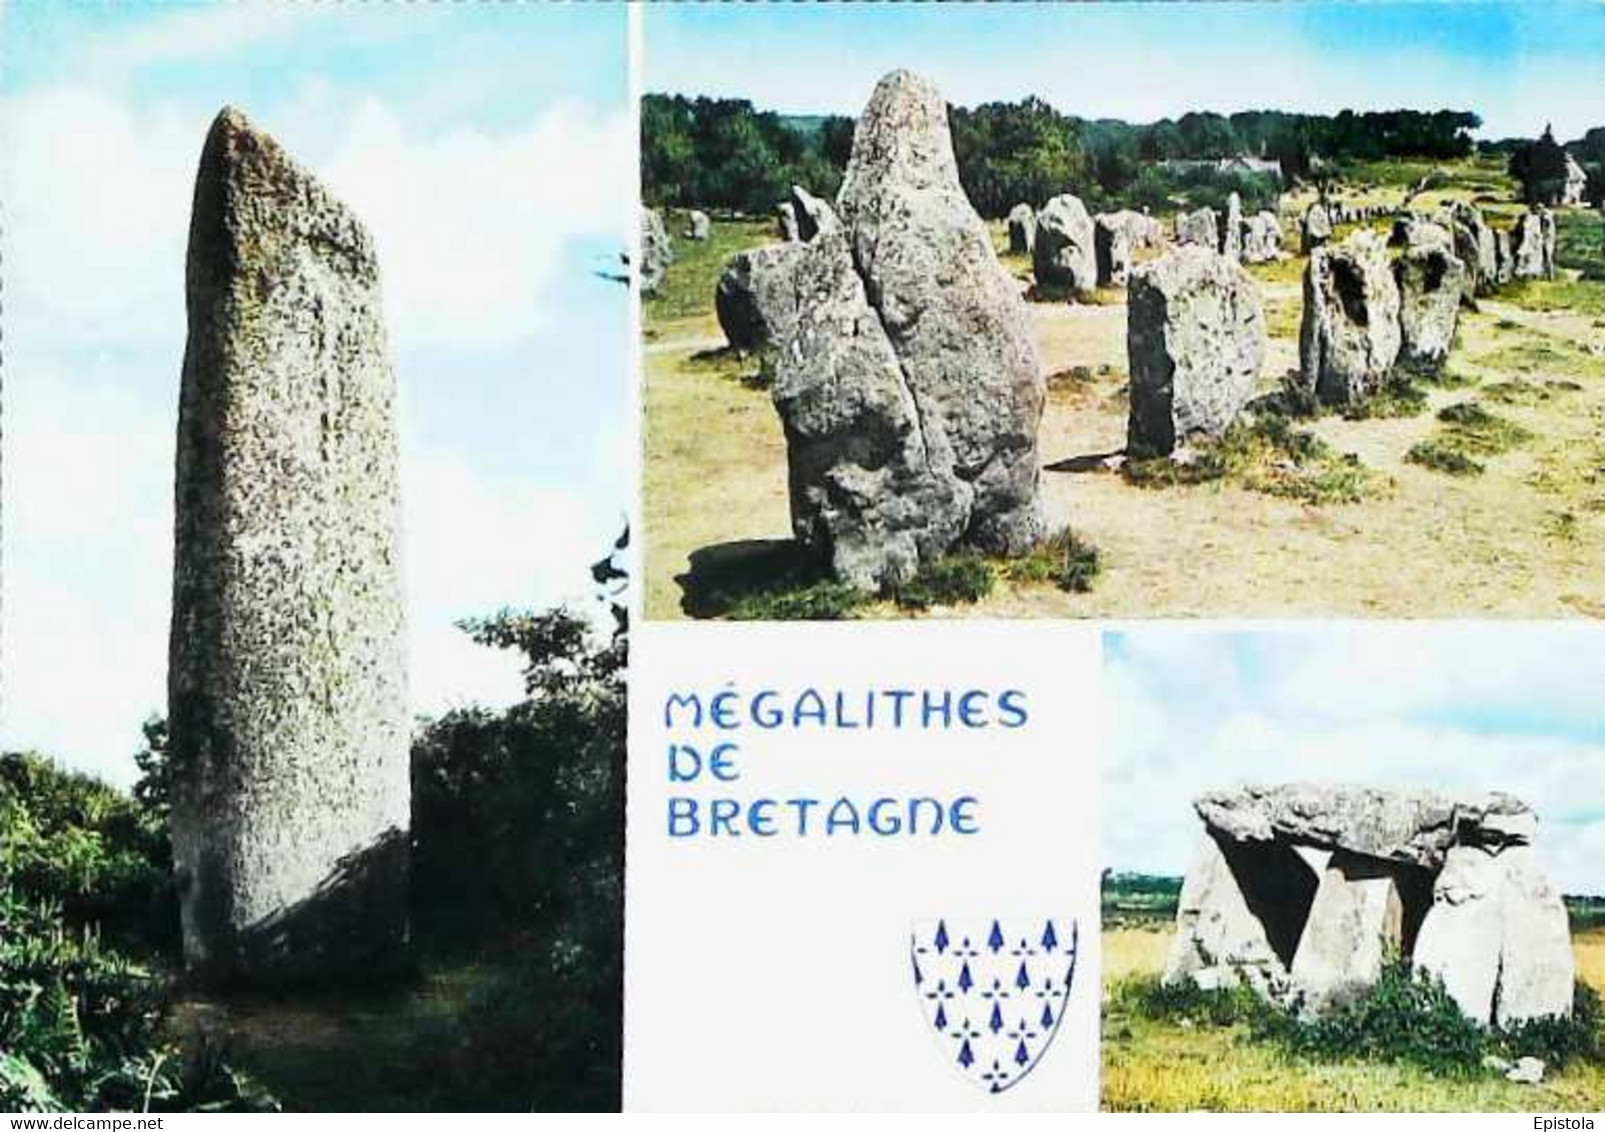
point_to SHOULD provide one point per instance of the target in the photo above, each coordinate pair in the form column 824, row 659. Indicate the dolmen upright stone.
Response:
column 1533, row 250
column 1302, row 891
column 656, row 251
column 1195, row 341
column 1064, row 251
column 1231, row 229
column 1201, row 227
column 1431, row 280
column 1349, row 336
column 754, row 297
column 287, row 682
column 908, row 388
column 1022, row 229
column 698, row 226
column 1316, row 228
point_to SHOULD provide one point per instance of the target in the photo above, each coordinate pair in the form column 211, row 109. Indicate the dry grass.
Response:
column 1163, row 1067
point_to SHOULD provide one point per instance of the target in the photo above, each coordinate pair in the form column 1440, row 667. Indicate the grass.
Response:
column 1271, row 456
column 1468, row 434
column 1168, row 1064
column 1580, row 243
column 780, row 582
column 1063, row 559
column 1395, row 401
column 687, row 290
column 1474, row 545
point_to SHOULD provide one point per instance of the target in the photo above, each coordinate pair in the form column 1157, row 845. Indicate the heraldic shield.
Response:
column 994, row 992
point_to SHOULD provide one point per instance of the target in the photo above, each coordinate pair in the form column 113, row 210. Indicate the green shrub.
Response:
column 957, row 579
column 1442, row 457
column 1559, row 1041
column 1149, row 996
column 1406, row 1016
column 80, row 1021
column 1063, row 558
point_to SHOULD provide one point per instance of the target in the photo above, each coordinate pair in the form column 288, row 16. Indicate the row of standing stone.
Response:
column 902, row 361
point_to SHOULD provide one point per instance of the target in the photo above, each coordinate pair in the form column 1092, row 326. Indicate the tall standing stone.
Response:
column 1533, row 254
column 1113, row 242
column 1195, row 341
column 1231, row 232
column 1349, row 337
column 1198, row 227
column 1064, row 251
column 909, row 387
column 1475, row 246
column 656, row 251
column 1431, row 280
column 1022, row 229
column 287, row 693
column 1316, row 228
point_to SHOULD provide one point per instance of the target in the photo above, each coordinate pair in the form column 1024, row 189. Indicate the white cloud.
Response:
column 196, row 33
column 472, row 227
column 1276, row 719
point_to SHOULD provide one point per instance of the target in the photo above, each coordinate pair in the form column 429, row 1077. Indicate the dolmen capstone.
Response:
column 1200, row 226
column 287, row 683
column 1431, row 279
column 1063, row 250
column 1022, row 229
column 1316, row 227
column 908, row 385
column 1349, row 336
column 1231, row 229
column 1533, row 245
column 1195, row 341
column 1302, row 891
column 656, row 251
column 698, row 226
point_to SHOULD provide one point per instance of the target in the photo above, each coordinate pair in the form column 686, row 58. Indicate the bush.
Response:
column 958, row 579
column 1560, row 1041
column 1063, row 558
column 1407, row 1016
column 81, row 1022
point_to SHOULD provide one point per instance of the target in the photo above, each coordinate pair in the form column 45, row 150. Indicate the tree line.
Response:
column 726, row 154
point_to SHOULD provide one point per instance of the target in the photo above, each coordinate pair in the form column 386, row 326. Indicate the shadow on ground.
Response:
column 722, row 576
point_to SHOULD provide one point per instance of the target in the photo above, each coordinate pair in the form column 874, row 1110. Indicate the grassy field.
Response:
column 1151, row 1066
column 1350, row 526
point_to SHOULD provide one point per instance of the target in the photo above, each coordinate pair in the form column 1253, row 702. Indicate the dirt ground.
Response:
column 1521, row 540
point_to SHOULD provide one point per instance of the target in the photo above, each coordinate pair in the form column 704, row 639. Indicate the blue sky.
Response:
column 488, row 148
column 1453, row 708
column 1517, row 64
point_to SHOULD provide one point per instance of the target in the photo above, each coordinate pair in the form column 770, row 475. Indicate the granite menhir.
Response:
column 287, row 690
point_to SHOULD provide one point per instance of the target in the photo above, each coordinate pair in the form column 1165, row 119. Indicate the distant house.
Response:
column 1256, row 165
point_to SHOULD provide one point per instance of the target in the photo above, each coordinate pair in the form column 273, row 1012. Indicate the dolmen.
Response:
column 1302, row 891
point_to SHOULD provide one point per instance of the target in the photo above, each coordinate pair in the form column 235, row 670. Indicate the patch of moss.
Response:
column 958, row 579
column 1443, row 457
column 1477, row 432
column 1400, row 399
column 1271, row 456
column 1063, row 558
